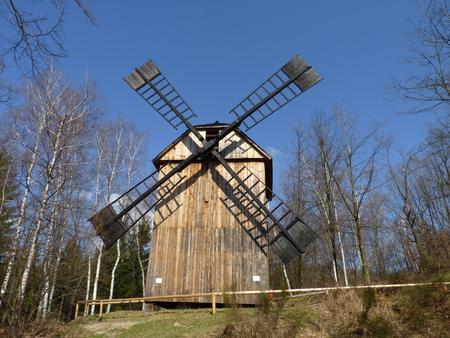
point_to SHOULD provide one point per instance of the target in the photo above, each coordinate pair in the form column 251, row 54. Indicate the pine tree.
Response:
column 8, row 192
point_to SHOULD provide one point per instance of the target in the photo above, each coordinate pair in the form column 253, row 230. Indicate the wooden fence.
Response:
column 214, row 295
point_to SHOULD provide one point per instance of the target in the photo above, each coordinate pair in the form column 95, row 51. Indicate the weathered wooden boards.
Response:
column 203, row 239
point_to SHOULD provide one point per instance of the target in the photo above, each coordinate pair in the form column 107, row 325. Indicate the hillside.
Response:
column 413, row 312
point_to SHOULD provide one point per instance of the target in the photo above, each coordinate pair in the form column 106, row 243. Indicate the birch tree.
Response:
column 120, row 151
column 337, row 170
column 315, row 158
column 29, row 141
column 67, row 207
column 362, row 160
column 68, row 113
column 49, row 130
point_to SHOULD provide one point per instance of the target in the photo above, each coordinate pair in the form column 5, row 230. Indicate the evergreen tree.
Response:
column 8, row 192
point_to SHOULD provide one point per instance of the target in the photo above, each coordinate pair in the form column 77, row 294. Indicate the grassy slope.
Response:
column 416, row 312
column 171, row 323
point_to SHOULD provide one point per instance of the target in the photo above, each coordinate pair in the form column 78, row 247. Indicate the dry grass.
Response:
column 410, row 312
column 414, row 312
column 273, row 318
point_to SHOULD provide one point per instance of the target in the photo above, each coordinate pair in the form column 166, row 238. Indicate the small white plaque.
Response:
column 256, row 278
column 158, row 280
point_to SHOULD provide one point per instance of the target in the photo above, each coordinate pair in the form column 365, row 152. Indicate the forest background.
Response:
column 382, row 211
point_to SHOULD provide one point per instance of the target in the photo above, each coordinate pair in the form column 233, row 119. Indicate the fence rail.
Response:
column 214, row 295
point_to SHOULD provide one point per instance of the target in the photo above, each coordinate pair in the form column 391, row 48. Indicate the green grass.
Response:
column 191, row 323
column 410, row 312
column 171, row 323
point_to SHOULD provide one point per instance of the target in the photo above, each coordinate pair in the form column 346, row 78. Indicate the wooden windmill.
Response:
column 213, row 225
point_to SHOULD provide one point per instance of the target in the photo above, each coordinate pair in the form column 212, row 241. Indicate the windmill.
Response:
column 218, row 167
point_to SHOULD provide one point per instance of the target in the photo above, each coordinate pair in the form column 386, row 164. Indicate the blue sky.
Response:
column 215, row 53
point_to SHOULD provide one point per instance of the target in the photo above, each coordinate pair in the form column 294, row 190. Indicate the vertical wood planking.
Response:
column 201, row 247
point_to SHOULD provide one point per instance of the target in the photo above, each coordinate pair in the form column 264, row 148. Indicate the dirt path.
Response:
column 110, row 329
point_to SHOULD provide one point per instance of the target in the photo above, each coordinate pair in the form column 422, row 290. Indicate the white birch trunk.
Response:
column 88, row 282
column 43, row 303
column 43, row 204
column 44, row 295
column 288, row 283
column 91, row 246
column 48, row 306
column 113, row 274
column 341, row 247
column 23, row 203
column 97, row 275
column 34, row 243
column 141, row 266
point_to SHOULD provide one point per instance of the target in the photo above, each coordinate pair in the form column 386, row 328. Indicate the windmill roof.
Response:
column 265, row 157
column 214, row 124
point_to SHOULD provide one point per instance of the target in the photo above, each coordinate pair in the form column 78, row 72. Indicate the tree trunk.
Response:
column 97, row 276
column 15, row 244
column 34, row 242
column 88, row 282
column 113, row 274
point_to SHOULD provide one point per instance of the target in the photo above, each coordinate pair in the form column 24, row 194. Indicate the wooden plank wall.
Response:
column 233, row 146
column 199, row 242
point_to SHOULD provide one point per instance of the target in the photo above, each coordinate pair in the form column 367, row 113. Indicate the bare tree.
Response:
column 420, row 201
column 403, row 199
column 49, row 131
column 314, row 154
column 65, row 212
column 428, row 84
column 120, row 151
column 336, row 170
column 31, row 147
column 32, row 38
column 382, row 245
column 68, row 113
column 361, row 163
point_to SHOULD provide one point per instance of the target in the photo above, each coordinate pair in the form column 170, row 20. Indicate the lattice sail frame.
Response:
column 280, row 84
column 266, row 225
column 157, row 91
column 107, row 223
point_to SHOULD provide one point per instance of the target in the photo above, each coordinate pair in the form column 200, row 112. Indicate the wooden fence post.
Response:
column 101, row 310
column 76, row 310
column 213, row 300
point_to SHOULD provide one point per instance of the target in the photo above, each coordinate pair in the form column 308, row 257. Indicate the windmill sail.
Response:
column 113, row 221
column 302, row 235
column 292, row 235
column 281, row 88
column 157, row 91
